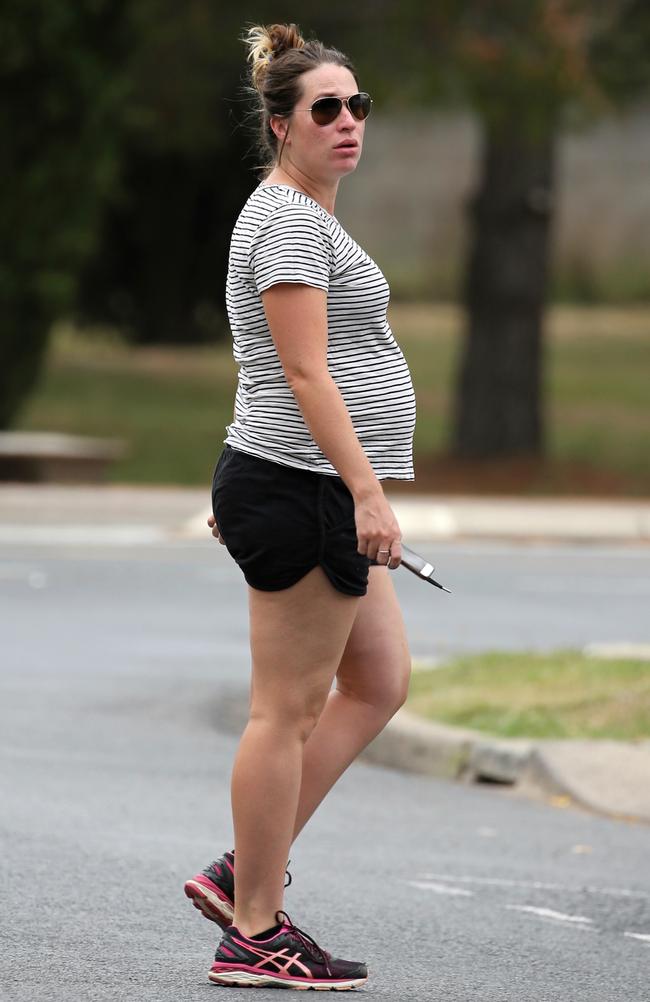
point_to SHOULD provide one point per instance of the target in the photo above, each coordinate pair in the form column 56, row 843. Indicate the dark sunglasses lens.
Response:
column 326, row 109
column 360, row 105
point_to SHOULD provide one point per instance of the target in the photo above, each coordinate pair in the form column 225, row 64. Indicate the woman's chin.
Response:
column 343, row 169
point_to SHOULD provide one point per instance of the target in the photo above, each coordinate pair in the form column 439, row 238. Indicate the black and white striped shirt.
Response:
column 283, row 235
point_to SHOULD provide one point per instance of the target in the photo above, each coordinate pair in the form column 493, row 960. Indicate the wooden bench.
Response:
column 40, row 457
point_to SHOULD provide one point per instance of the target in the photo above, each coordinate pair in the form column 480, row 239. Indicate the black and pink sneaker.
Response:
column 213, row 890
column 289, row 958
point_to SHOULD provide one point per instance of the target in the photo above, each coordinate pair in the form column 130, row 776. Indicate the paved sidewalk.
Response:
column 36, row 512
column 606, row 776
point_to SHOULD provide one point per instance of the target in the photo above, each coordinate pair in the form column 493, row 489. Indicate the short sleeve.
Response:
column 293, row 244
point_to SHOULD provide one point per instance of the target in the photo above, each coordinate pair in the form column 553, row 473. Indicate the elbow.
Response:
column 307, row 377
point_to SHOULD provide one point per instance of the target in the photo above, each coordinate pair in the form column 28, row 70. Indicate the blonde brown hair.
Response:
column 279, row 55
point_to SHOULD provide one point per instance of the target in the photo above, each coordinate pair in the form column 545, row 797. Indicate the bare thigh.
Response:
column 297, row 638
column 376, row 663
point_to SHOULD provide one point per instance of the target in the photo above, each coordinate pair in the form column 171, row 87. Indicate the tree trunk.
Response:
column 498, row 394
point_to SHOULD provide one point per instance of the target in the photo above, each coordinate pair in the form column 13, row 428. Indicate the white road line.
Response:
column 638, row 935
column 549, row 913
column 619, row 892
column 441, row 888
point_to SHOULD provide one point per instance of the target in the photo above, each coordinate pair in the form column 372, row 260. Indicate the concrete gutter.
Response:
column 608, row 777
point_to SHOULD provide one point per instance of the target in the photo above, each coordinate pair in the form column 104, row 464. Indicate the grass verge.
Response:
column 171, row 405
column 563, row 694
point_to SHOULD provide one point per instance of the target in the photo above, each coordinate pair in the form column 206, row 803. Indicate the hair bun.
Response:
column 267, row 42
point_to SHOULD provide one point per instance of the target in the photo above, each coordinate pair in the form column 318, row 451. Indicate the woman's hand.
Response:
column 212, row 522
column 378, row 533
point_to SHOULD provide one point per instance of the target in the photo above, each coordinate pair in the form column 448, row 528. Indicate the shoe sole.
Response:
column 211, row 902
column 247, row 979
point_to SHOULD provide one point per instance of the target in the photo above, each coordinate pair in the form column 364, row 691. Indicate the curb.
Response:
column 622, row 789
column 433, row 518
column 178, row 513
column 413, row 744
column 557, row 768
column 436, row 518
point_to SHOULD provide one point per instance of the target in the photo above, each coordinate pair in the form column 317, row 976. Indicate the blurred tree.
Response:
column 156, row 269
column 59, row 117
column 527, row 68
column 188, row 167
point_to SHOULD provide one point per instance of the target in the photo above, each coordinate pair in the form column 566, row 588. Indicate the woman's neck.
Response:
column 323, row 194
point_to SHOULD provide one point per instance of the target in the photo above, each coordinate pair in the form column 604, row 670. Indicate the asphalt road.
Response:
column 114, row 788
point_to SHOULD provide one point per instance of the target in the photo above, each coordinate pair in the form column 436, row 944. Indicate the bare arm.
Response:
column 297, row 318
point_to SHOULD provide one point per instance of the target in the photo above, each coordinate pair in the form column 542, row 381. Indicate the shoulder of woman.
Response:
column 299, row 218
column 293, row 205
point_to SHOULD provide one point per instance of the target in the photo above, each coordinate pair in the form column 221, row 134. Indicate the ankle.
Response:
column 253, row 925
column 263, row 934
column 251, row 931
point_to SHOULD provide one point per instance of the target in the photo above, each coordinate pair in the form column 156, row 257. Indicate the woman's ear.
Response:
column 280, row 126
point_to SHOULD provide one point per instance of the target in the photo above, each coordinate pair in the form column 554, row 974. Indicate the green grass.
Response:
column 171, row 405
column 558, row 695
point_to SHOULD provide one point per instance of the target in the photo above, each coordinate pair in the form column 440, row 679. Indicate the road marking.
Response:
column 638, row 935
column 550, row 914
column 620, row 892
column 441, row 888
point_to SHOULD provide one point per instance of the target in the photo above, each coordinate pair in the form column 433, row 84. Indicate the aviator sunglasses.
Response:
column 327, row 109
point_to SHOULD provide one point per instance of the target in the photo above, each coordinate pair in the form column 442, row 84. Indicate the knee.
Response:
column 394, row 695
column 294, row 719
column 306, row 722
column 388, row 692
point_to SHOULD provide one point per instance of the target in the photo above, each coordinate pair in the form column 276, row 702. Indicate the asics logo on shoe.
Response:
column 280, row 959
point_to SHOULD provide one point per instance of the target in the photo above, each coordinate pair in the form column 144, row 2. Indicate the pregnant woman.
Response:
column 324, row 413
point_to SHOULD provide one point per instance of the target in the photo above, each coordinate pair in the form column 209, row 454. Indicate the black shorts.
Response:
column 278, row 522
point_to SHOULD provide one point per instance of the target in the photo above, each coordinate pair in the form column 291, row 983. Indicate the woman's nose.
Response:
column 346, row 118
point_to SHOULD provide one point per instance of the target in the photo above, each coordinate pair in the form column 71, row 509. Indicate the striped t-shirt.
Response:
column 283, row 235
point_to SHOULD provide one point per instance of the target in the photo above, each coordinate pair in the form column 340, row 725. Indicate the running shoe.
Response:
column 213, row 890
column 287, row 959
